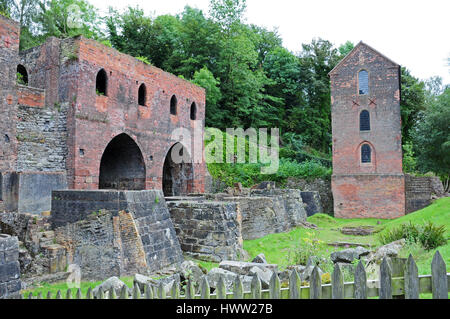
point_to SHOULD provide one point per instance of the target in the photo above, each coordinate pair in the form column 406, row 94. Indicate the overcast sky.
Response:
column 415, row 34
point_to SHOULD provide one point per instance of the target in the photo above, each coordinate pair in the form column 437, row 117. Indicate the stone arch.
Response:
column 173, row 105
column 142, row 95
column 359, row 153
column 193, row 111
column 22, row 75
column 364, row 121
column 122, row 166
column 363, row 82
column 178, row 172
column 101, row 83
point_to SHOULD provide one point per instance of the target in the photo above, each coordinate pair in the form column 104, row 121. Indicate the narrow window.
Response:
column 22, row 75
column 173, row 105
column 363, row 82
column 101, row 82
column 364, row 121
column 142, row 94
column 193, row 111
column 366, row 154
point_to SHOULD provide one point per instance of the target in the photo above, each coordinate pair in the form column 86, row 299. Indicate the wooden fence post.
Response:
column 190, row 289
column 148, row 291
column 221, row 290
column 136, row 292
column 337, row 283
column 161, row 291
column 360, row 282
column 175, row 291
column 439, row 282
column 256, row 287
column 49, row 295
column 39, row 296
column 89, row 294
column 275, row 286
column 112, row 293
column 385, row 280
column 124, row 293
column 100, row 294
column 295, row 285
column 78, row 295
column 315, row 285
column 30, row 295
column 58, row 295
column 69, row 294
column 205, row 289
column 238, row 292
column 411, row 279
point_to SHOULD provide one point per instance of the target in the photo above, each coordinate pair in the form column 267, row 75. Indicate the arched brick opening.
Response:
column 178, row 172
column 22, row 75
column 122, row 166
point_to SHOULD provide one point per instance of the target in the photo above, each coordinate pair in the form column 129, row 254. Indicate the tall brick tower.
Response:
column 368, row 179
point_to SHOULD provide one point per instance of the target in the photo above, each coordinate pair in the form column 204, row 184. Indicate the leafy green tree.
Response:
column 412, row 102
column 346, row 48
column 431, row 137
column 206, row 79
column 316, row 61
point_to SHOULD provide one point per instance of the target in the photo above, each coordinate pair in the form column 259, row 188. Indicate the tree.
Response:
column 228, row 13
column 316, row 61
column 206, row 80
column 412, row 102
column 431, row 137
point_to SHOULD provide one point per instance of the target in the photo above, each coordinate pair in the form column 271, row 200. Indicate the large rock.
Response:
column 260, row 259
column 142, row 281
column 264, row 275
column 229, row 279
column 389, row 250
column 349, row 255
column 167, row 282
column 112, row 282
column 243, row 268
column 189, row 269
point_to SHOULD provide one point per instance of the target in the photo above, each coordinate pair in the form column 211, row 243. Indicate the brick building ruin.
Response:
column 368, row 179
column 87, row 117
column 86, row 175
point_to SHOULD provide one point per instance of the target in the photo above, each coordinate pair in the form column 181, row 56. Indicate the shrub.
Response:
column 429, row 235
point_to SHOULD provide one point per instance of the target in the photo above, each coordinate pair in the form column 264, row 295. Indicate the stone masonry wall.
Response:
column 10, row 284
column 208, row 230
column 137, row 232
column 420, row 190
column 42, row 138
column 322, row 186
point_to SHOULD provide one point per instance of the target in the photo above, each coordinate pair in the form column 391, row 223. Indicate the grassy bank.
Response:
column 282, row 249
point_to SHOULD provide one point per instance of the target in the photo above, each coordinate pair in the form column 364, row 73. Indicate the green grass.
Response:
column 277, row 247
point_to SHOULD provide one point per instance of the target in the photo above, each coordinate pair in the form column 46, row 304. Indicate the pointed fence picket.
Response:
column 409, row 286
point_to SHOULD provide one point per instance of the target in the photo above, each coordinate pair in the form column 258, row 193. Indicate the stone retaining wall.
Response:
column 208, row 230
column 115, row 233
column 10, row 284
column 419, row 191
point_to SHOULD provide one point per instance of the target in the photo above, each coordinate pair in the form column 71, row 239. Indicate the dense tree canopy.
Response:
column 251, row 80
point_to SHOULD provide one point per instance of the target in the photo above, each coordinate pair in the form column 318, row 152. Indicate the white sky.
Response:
column 415, row 34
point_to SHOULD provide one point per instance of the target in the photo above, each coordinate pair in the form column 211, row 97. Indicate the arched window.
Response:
column 366, row 154
column 364, row 121
column 142, row 95
column 173, row 105
column 363, row 82
column 193, row 111
column 101, row 82
column 22, row 75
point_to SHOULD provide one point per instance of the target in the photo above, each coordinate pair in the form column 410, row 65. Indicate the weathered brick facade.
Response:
column 367, row 184
column 61, row 122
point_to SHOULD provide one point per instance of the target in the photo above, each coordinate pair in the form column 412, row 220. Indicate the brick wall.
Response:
column 384, row 137
column 9, row 48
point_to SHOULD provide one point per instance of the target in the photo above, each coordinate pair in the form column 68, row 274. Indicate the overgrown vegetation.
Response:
column 429, row 235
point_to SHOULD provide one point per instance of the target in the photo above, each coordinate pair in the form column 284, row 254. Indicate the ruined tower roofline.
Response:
column 151, row 68
column 361, row 43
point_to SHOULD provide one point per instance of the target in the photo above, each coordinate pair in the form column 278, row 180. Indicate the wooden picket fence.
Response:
column 410, row 286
